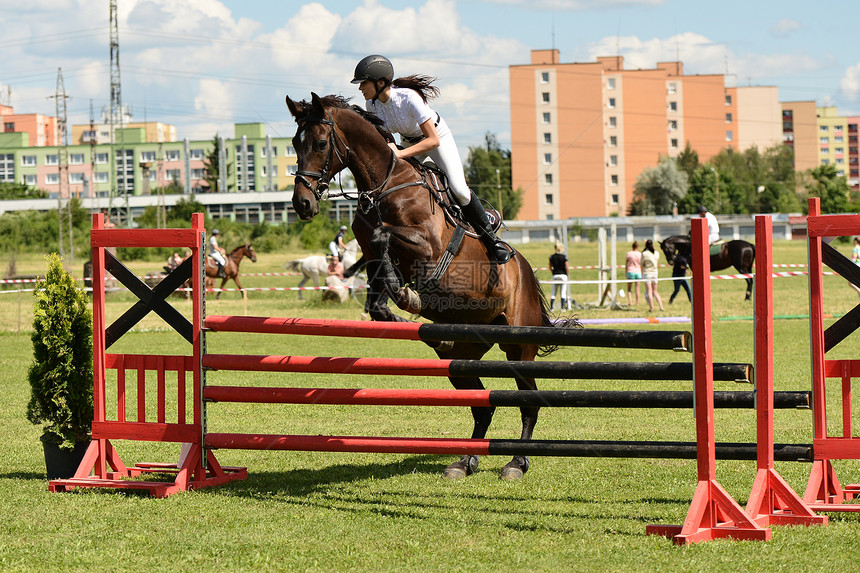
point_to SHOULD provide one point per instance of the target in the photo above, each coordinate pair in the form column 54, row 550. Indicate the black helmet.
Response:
column 703, row 209
column 373, row 68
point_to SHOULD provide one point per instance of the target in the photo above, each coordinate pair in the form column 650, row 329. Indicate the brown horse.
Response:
column 231, row 269
column 737, row 253
column 404, row 227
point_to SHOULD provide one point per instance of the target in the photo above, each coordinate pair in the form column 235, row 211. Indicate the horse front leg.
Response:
column 391, row 284
column 749, row 289
column 519, row 465
column 377, row 305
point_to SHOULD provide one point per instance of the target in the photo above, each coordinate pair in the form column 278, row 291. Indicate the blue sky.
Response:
column 205, row 64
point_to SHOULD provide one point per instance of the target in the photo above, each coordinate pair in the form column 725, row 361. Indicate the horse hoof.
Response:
column 511, row 473
column 412, row 300
column 445, row 345
column 454, row 473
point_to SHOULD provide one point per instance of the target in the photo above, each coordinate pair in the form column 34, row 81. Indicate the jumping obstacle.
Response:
column 713, row 513
column 823, row 490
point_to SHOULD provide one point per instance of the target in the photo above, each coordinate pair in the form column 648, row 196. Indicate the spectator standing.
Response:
column 633, row 268
column 560, row 268
column 650, row 260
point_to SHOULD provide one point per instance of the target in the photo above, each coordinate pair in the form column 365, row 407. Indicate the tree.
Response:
column 212, row 168
column 688, row 161
column 488, row 173
column 20, row 191
column 832, row 188
column 659, row 189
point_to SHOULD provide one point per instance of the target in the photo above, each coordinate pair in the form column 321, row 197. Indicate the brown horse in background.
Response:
column 231, row 269
column 404, row 226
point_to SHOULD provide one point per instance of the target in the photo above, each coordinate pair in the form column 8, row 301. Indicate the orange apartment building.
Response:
column 581, row 133
column 41, row 129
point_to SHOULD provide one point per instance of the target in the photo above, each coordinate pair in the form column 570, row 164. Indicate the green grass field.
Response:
column 375, row 512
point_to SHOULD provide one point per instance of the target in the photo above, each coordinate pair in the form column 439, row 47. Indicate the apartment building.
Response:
column 256, row 162
column 582, row 132
column 41, row 130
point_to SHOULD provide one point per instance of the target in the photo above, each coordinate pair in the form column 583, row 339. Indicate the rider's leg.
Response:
column 447, row 158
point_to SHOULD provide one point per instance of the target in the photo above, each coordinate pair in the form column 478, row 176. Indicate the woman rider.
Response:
column 402, row 104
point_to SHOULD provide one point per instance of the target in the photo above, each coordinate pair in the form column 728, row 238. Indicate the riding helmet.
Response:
column 373, row 68
column 216, row 232
column 703, row 209
column 343, row 227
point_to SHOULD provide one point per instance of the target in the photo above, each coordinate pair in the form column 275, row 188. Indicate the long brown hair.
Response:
column 421, row 84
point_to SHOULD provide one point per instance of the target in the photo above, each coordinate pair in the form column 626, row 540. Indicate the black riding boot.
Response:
column 221, row 272
column 496, row 248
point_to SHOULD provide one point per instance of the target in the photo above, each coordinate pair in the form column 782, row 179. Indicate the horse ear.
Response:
column 318, row 109
column 291, row 105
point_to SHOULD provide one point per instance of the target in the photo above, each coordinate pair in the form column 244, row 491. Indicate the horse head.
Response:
column 250, row 253
column 669, row 250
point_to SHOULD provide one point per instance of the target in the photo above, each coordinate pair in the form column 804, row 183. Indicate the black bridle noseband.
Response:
column 323, row 177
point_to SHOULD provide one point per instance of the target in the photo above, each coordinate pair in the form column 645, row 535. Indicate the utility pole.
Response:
column 63, row 165
column 118, row 167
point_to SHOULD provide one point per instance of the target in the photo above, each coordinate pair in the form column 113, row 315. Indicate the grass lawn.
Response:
column 374, row 512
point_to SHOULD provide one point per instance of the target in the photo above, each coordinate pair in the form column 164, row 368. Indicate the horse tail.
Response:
column 547, row 320
column 295, row 265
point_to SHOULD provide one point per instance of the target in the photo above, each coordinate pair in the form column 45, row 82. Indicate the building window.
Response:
column 613, row 121
column 824, row 128
column 546, row 117
column 196, row 154
column 76, row 178
column 52, row 178
column 728, row 99
column 837, row 128
column 172, row 155
column 292, row 169
column 825, row 162
column 610, row 83
column 8, row 127
column 613, row 180
column 545, row 97
column 550, row 217
column 673, row 106
column 547, row 158
column 840, row 161
column 7, row 167
column 52, row 160
column 147, row 156
column 825, row 150
column 290, row 151
column 671, row 88
column 611, row 103
column 101, row 176
column 28, row 160
column 265, row 171
column 673, row 124
column 30, row 179
column 101, row 158
column 728, row 118
column 613, row 199
column 548, row 198
column 613, row 161
column 547, row 178
column 824, row 141
column 730, row 136
column 76, row 159
column 544, row 77
column 673, row 143
column 547, row 138
column 838, row 139
column 198, row 173
column 613, row 141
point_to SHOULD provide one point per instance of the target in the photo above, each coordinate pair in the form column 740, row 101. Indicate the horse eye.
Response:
column 322, row 144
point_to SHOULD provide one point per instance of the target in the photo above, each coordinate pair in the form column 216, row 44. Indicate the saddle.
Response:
column 437, row 184
column 716, row 247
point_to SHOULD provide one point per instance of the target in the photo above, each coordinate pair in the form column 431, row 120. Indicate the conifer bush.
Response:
column 61, row 375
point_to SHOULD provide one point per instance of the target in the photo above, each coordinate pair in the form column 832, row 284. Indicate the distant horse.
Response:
column 404, row 226
column 314, row 266
column 231, row 269
column 738, row 254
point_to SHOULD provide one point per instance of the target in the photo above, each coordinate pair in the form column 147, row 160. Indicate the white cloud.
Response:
column 577, row 5
column 850, row 83
column 785, row 27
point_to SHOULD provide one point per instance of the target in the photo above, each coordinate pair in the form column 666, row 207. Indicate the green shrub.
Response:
column 61, row 375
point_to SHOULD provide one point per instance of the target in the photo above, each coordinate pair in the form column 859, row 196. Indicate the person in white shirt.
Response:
column 402, row 105
column 713, row 225
column 217, row 253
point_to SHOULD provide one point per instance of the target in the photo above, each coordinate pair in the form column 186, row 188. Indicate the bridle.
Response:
column 323, row 177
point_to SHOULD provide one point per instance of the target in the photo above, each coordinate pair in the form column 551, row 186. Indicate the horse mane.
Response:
column 340, row 102
column 239, row 248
